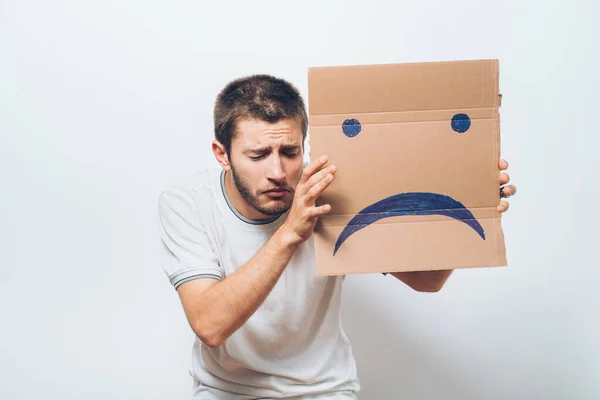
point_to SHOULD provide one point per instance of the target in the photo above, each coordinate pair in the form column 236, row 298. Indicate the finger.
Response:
column 504, row 178
column 503, row 164
column 509, row 190
column 503, row 206
column 318, row 211
column 313, row 167
column 316, row 178
column 318, row 188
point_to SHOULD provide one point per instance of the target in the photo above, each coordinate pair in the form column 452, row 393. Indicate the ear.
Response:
column 221, row 155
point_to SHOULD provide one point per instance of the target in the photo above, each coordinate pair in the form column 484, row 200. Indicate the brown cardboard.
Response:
column 407, row 145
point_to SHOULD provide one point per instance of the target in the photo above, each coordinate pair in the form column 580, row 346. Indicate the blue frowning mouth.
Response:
column 414, row 203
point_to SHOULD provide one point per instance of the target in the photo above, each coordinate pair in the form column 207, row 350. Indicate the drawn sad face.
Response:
column 419, row 203
column 416, row 148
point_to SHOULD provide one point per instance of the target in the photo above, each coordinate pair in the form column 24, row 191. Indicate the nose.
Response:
column 275, row 171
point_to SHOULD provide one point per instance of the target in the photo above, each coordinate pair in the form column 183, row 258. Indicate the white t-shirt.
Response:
column 294, row 345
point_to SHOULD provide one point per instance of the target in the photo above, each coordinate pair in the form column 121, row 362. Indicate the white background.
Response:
column 104, row 103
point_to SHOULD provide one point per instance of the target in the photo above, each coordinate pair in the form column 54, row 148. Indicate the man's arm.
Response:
column 424, row 281
column 216, row 309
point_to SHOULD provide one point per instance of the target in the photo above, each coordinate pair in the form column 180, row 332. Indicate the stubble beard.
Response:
column 280, row 206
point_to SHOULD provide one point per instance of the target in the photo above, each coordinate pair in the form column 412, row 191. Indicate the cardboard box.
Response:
column 417, row 148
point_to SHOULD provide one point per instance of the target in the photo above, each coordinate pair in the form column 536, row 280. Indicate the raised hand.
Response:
column 303, row 215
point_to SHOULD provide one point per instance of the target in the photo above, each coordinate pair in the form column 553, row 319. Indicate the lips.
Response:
column 276, row 192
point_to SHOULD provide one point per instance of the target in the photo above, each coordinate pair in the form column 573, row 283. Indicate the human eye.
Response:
column 256, row 156
column 291, row 153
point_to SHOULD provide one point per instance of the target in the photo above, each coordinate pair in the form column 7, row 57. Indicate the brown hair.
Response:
column 263, row 97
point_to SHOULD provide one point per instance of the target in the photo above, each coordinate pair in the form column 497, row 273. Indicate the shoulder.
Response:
column 195, row 191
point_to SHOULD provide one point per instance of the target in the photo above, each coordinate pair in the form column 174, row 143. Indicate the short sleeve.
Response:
column 186, row 251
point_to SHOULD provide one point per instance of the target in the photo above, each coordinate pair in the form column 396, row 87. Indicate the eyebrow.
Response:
column 289, row 147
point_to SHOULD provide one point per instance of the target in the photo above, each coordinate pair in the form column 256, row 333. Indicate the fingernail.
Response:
column 323, row 159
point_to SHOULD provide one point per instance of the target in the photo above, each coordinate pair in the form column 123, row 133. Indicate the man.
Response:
column 238, row 248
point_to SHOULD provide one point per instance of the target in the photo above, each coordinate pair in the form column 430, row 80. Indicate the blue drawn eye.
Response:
column 351, row 127
column 461, row 123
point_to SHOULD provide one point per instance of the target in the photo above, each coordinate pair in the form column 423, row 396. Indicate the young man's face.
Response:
column 266, row 163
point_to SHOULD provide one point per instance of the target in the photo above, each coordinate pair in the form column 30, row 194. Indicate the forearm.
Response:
column 424, row 281
column 217, row 309
column 227, row 305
